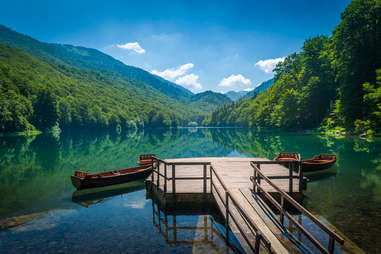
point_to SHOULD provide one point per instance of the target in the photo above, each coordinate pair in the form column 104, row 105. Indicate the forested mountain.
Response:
column 37, row 94
column 90, row 59
column 78, row 87
column 208, row 101
column 235, row 96
column 263, row 86
column 334, row 81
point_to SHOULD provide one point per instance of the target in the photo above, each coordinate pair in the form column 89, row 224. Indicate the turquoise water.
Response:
column 37, row 212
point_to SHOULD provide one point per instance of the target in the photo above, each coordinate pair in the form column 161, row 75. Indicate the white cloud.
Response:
column 190, row 80
column 234, row 80
column 136, row 204
column 249, row 89
column 269, row 64
column 133, row 46
column 173, row 73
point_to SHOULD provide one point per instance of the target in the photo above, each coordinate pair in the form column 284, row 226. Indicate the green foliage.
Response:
column 331, row 81
column 299, row 98
column 45, row 113
column 81, row 99
column 90, row 59
column 356, row 48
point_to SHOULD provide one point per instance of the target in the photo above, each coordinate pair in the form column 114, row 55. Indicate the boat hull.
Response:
column 84, row 183
column 309, row 167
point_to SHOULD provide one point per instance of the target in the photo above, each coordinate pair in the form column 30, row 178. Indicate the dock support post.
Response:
column 173, row 180
column 165, row 178
column 204, row 179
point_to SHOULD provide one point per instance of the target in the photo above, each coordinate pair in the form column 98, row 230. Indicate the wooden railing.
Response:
column 225, row 198
column 156, row 162
column 294, row 169
column 256, row 179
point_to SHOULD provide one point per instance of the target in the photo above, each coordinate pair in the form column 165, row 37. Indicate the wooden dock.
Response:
column 240, row 187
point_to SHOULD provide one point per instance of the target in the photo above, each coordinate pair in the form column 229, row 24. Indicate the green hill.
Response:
column 37, row 94
column 83, row 88
column 208, row 101
column 334, row 82
column 90, row 59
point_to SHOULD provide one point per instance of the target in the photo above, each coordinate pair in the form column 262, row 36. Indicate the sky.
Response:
column 201, row 45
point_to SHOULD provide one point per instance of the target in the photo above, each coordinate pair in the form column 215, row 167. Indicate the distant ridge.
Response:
column 263, row 86
column 235, row 96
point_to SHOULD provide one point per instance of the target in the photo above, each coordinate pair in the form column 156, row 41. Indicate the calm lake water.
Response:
column 40, row 212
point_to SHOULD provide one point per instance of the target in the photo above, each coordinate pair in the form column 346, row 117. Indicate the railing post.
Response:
column 153, row 171
column 204, row 179
column 281, row 211
column 291, row 167
column 165, row 177
column 227, row 215
column 331, row 244
column 254, row 179
column 257, row 242
column 301, row 183
column 158, row 174
column 211, row 180
column 258, row 177
column 173, row 179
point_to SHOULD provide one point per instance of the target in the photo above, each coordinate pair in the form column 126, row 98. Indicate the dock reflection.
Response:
column 208, row 233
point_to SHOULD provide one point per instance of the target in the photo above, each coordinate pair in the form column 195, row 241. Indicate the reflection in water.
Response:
column 205, row 234
column 88, row 197
column 35, row 171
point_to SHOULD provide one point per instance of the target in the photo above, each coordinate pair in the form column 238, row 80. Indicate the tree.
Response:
column 45, row 113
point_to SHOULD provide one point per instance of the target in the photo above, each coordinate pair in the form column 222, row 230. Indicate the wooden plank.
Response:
column 276, row 245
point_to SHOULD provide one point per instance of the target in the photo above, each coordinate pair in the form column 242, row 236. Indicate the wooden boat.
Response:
column 286, row 157
column 83, row 180
column 318, row 162
column 145, row 159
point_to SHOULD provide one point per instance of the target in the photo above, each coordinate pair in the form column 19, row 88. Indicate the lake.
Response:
column 39, row 212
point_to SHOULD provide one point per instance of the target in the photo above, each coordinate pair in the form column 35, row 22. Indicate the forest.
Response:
column 41, row 95
column 333, row 83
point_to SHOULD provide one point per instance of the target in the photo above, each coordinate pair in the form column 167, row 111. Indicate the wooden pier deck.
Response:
column 230, row 183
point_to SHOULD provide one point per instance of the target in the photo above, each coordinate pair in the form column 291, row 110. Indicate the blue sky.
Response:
column 202, row 45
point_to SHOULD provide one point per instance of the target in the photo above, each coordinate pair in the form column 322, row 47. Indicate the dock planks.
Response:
column 235, row 174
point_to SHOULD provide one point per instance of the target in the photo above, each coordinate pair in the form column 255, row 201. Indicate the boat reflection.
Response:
column 94, row 196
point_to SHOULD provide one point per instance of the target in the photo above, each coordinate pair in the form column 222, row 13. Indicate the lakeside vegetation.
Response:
column 333, row 83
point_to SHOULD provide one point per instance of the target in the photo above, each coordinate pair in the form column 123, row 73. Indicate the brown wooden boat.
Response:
column 145, row 159
column 286, row 157
column 83, row 180
column 318, row 162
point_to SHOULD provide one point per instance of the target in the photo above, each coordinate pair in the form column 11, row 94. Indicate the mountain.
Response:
column 90, row 59
column 235, row 96
column 35, row 94
column 263, row 86
column 208, row 101
column 42, row 84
